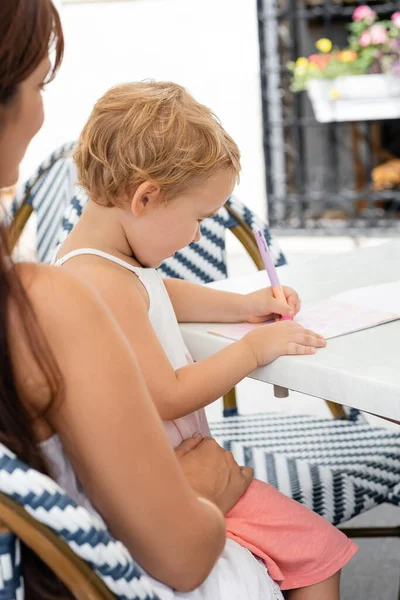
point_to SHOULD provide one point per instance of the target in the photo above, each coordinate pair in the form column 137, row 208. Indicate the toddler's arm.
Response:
column 199, row 303
column 178, row 393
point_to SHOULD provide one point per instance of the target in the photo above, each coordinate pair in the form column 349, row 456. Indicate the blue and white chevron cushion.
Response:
column 394, row 496
column 337, row 468
column 84, row 533
column 49, row 191
column 11, row 580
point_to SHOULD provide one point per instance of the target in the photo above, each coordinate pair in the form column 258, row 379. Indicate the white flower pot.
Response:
column 355, row 98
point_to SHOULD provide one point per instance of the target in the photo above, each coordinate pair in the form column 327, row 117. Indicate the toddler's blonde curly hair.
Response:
column 150, row 131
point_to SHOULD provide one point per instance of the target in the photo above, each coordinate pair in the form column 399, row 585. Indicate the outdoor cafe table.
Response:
column 360, row 370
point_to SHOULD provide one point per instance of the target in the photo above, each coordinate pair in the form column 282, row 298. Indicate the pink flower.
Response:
column 378, row 34
column 365, row 39
column 396, row 19
column 364, row 12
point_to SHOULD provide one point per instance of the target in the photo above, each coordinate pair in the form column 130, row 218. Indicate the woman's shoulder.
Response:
column 35, row 275
column 67, row 311
column 58, row 296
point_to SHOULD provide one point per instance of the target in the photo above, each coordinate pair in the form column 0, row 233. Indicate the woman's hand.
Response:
column 268, row 342
column 261, row 306
column 213, row 472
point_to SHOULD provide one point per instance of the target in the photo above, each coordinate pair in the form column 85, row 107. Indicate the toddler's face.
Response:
column 173, row 225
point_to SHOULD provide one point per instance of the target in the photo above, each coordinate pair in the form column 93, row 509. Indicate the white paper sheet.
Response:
column 385, row 297
column 345, row 313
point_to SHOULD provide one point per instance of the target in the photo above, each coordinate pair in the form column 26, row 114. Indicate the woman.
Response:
column 64, row 360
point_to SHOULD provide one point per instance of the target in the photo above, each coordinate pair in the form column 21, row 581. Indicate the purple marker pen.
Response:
column 270, row 268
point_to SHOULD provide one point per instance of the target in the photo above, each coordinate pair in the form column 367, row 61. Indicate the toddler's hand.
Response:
column 261, row 306
column 268, row 342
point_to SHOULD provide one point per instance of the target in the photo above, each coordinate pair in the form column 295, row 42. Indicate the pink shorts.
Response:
column 298, row 547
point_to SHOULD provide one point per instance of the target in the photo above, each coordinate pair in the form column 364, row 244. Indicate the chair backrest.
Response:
column 203, row 261
column 84, row 533
column 49, row 192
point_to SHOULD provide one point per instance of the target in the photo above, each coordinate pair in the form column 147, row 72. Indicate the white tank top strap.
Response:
column 84, row 251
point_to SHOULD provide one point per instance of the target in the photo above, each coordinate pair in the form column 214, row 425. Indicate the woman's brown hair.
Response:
column 30, row 30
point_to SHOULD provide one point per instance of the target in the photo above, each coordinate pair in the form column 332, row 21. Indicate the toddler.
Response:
column 155, row 163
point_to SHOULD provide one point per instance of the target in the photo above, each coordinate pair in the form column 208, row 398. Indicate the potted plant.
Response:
column 360, row 82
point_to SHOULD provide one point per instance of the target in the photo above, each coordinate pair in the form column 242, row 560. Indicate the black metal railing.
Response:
column 318, row 175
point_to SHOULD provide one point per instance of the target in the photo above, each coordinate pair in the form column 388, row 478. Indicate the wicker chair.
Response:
column 338, row 467
column 48, row 192
column 73, row 543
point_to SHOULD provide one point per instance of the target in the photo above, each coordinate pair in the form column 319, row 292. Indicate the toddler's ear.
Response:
column 146, row 197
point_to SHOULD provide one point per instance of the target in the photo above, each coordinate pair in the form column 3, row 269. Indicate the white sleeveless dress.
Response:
column 237, row 575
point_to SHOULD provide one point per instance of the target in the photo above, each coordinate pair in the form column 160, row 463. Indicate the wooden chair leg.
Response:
column 230, row 406
column 17, row 226
column 25, row 209
column 337, row 410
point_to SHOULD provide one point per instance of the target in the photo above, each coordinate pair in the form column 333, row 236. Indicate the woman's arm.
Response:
column 115, row 440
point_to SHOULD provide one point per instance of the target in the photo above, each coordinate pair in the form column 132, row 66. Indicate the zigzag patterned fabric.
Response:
column 84, row 533
column 70, row 217
column 337, row 468
column 11, row 581
column 49, row 191
column 394, row 496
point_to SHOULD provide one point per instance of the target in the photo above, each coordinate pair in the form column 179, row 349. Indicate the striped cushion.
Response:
column 11, row 581
column 49, row 191
column 337, row 468
column 394, row 496
column 70, row 217
column 84, row 533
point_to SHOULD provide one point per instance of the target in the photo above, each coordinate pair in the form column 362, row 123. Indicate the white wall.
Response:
column 209, row 46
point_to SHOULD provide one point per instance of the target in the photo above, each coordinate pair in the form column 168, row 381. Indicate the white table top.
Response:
column 361, row 370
